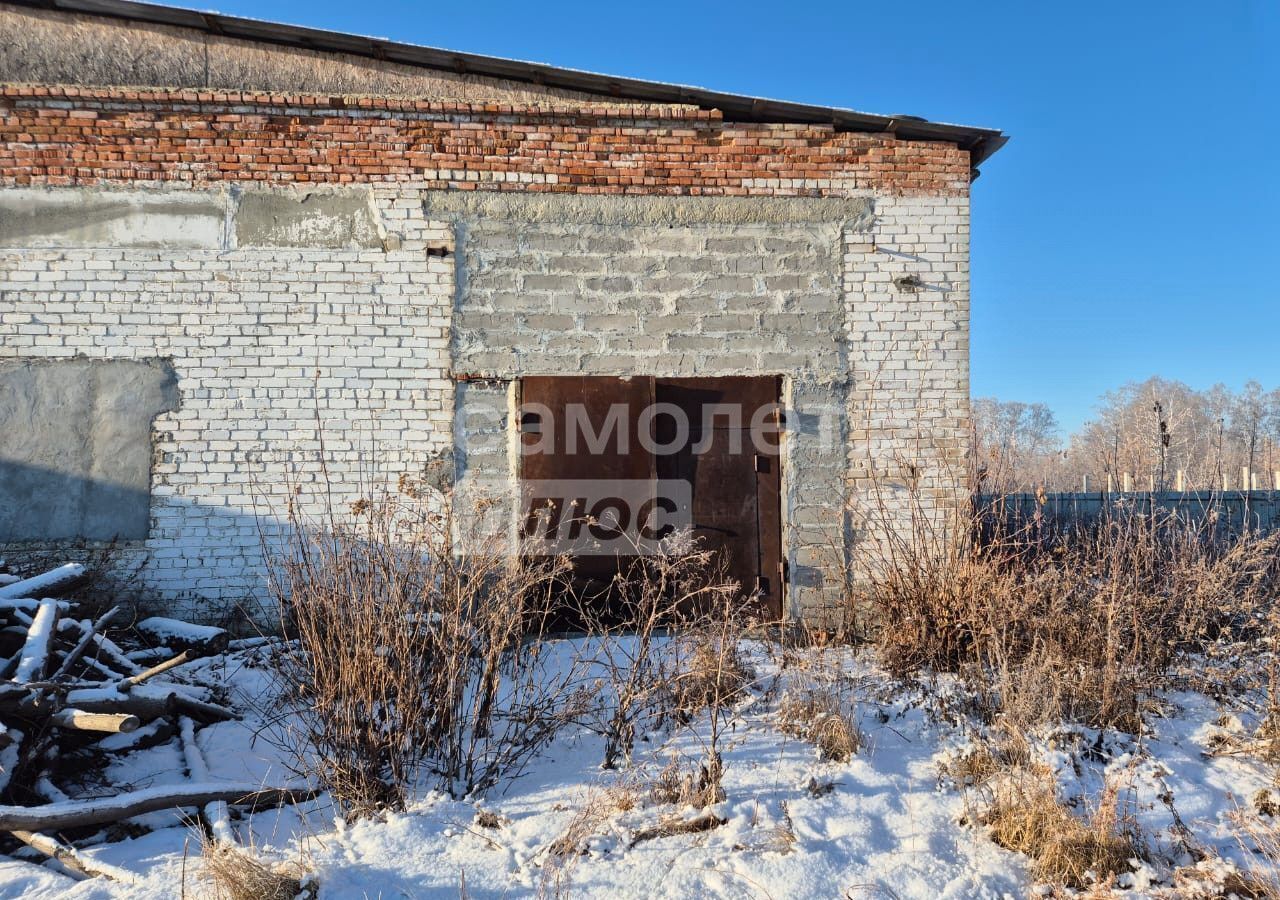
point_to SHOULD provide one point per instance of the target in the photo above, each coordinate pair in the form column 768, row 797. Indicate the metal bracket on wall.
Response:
column 481, row 380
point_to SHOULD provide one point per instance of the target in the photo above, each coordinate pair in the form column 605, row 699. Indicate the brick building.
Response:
column 226, row 246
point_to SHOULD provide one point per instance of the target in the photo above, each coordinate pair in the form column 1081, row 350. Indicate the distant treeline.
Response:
column 1155, row 434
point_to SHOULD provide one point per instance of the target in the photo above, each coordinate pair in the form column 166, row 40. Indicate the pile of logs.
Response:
column 65, row 685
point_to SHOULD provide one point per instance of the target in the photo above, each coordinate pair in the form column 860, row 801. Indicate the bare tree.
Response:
column 1016, row 445
column 1149, row 430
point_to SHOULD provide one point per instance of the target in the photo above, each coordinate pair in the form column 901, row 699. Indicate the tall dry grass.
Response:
column 1025, row 814
column 1080, row 623
column 235, row 873
column 1044, row 624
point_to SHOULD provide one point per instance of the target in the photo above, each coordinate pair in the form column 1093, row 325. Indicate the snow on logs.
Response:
column 201, row 640
column 65, row 686
column 49, row 584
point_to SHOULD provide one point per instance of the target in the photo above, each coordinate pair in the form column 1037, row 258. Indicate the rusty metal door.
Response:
column 731, row 469
column 734, row 472
column 552, row 407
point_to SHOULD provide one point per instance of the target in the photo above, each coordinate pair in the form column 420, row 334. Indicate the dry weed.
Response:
column 677, row 784
column 560, row 857
column 413, row 651
column 680, row 587
column 1258, row 835
column 1080, row 624
column 672, row 826
column 818, row 716
column 1025, row 815
column 1003, row 748
column 237, row 874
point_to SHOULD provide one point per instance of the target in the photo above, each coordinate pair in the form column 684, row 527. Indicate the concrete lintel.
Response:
column 161, row 218
column 856, row 213
column 76, row 217
column 321, row 218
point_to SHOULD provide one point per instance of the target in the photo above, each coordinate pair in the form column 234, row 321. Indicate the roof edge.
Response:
column 980, row 142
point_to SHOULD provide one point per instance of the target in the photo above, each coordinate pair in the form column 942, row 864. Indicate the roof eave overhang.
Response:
column 980, row 142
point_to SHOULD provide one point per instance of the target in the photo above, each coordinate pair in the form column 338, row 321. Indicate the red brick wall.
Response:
column 68, row 135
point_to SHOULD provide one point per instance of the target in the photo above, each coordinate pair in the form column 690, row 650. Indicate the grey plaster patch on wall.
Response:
column 334, row 219
column 175, row 219
column 96, row 217
column 856, row 213
column 75, row 452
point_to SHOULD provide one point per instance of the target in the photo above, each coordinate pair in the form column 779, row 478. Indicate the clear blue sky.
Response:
column 1128, row 229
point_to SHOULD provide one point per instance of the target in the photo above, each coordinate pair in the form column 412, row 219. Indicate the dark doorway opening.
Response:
column 602, row 448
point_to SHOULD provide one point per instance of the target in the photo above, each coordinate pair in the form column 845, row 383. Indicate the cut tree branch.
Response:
column 77, row 813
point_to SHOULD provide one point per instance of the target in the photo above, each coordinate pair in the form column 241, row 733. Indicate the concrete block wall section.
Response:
column 607, row 286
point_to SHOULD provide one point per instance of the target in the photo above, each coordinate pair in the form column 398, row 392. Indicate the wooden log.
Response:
column 35, row 653
column 205, row 712
column 49, row 791
column 178, row 697
column 105, row 648
column 27, row 605
column 157, row 731
column 80, row 720
column 216, row 814
column 85, row 638
column 145, row 705
column 201, row 640
column 10, row 755
column 31, row 704
column 250, row 643
column 154, row 670
column 47, row 584
column 70, row 857
column 77, row 813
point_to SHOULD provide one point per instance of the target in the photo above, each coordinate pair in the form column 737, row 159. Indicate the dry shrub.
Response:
column 1079, row 623
column 818, row 716
column 1025, row 815
column 413, row 651
column 680, row 586
column 237, row 874
column 712, row 672
column 712, row 679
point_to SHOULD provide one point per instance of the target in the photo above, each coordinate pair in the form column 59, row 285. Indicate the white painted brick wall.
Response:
column 275, row 352
column 909, row 355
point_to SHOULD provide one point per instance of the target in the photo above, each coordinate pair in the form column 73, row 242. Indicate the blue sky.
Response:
column 1128, row 229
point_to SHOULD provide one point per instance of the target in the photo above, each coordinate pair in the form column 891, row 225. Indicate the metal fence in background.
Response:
column 1230, row 510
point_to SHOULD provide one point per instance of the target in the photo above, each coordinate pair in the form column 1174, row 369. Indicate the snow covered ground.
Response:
column 888, row 823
